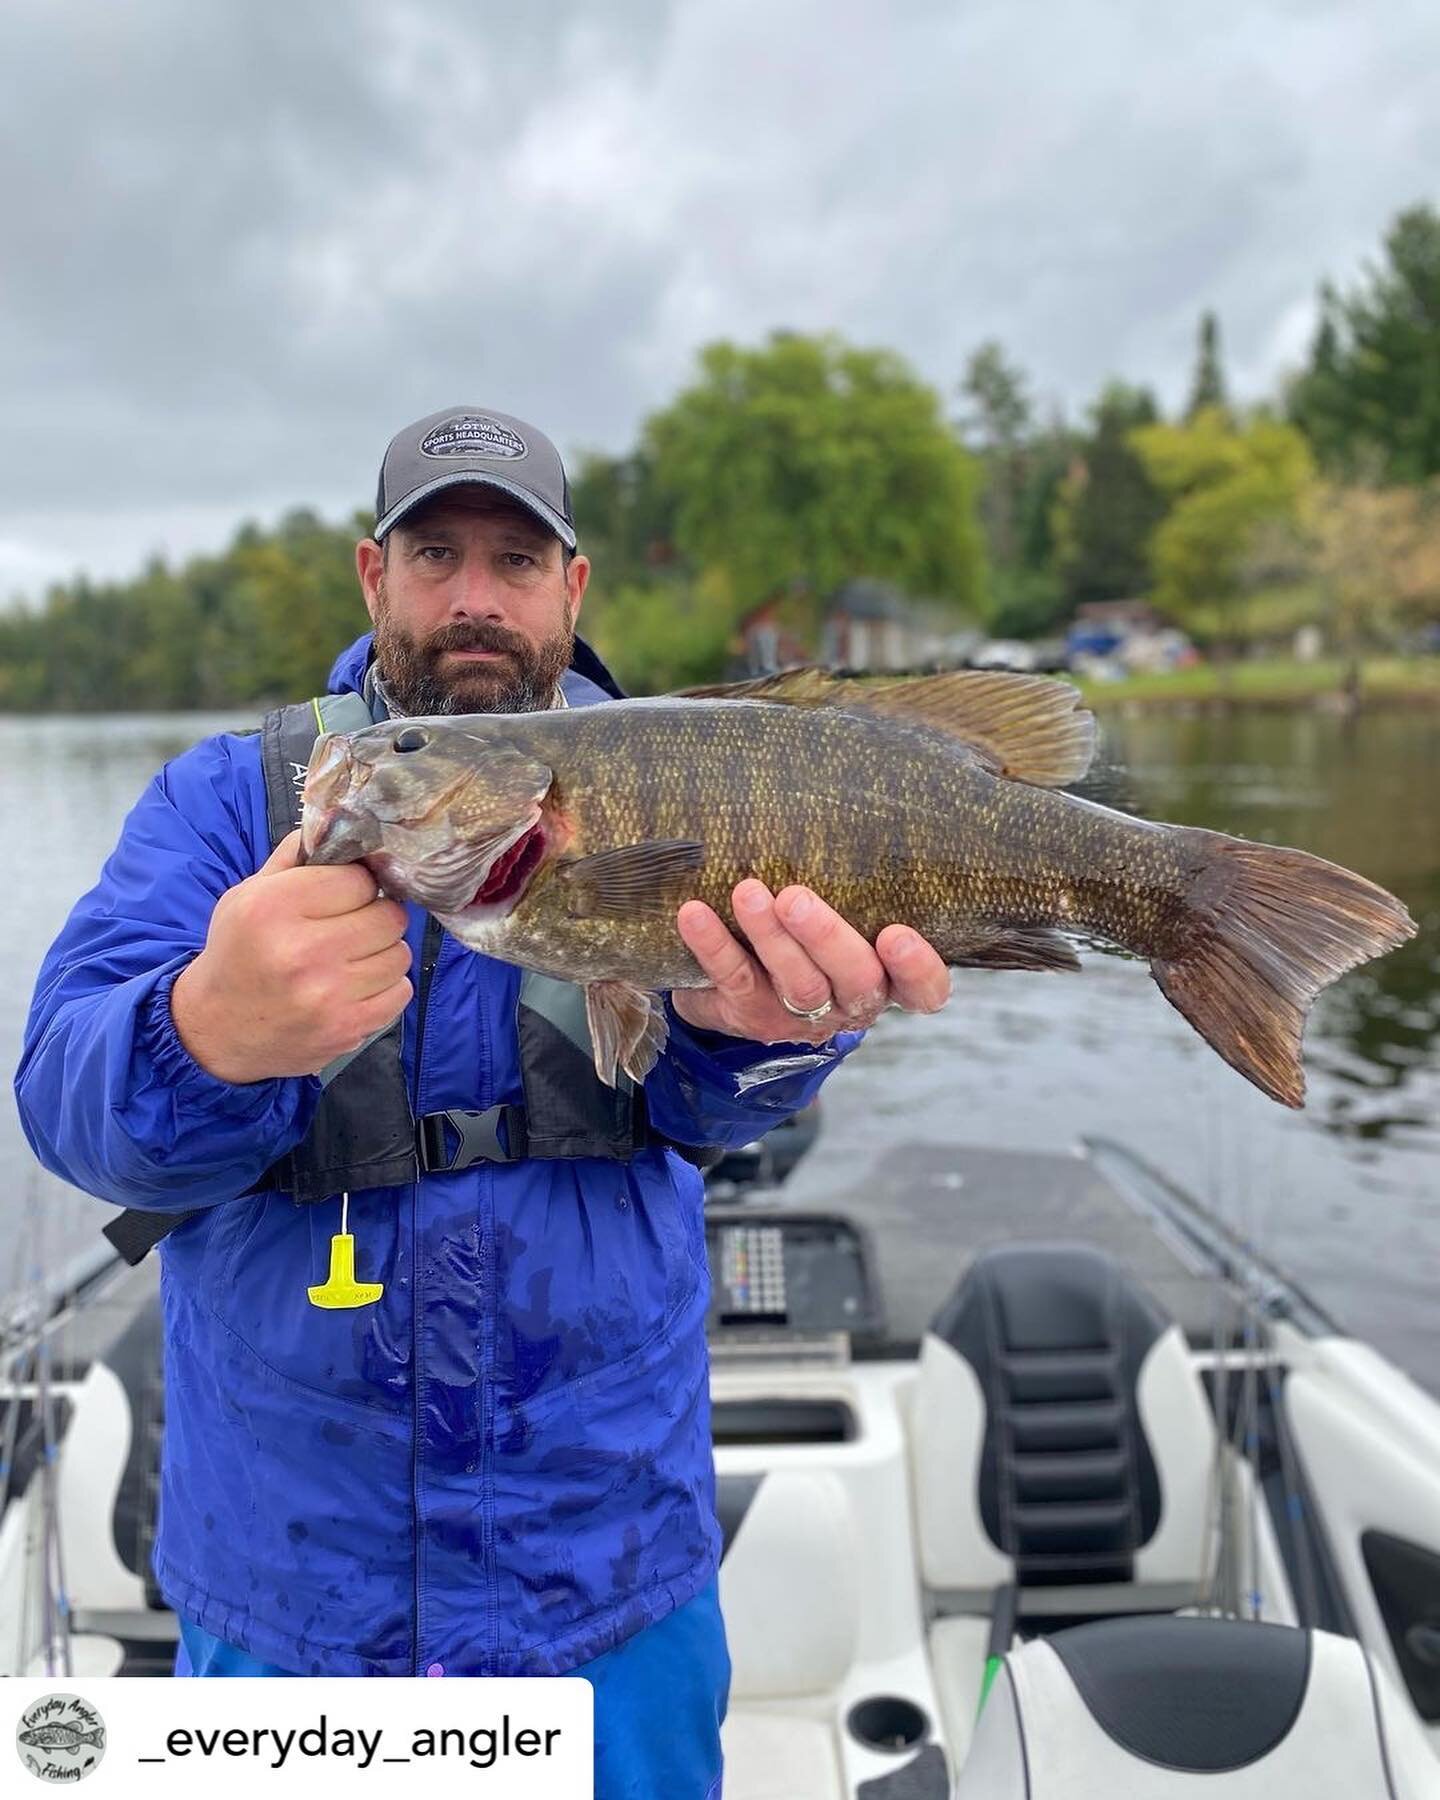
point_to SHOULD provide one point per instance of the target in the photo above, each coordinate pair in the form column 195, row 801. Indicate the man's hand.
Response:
column 300, row 965
column 805, row 952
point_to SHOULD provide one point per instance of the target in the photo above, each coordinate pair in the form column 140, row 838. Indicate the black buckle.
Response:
column 479, row 1135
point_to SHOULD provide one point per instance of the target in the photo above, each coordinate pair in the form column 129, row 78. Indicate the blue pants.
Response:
column 659, row 1700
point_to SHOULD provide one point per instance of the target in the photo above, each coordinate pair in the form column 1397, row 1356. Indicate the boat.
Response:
column 1034, row 1480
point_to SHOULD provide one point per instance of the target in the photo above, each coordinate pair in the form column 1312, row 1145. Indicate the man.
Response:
column 500, row 1464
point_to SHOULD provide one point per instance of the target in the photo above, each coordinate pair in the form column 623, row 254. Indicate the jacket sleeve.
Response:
column 109, row 1097
column 723, row 1091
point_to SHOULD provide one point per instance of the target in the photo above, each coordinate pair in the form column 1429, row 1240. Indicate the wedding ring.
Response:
column 813, row 1015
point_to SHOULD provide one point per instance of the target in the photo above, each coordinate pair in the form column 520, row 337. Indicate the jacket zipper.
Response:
column 430, row 947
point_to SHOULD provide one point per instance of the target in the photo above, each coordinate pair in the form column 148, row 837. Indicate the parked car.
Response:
column 1004, row 653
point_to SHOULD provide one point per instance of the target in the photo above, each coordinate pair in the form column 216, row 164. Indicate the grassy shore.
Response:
column 1277, row 682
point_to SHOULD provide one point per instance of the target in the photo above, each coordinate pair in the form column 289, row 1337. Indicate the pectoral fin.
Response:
column 628, row 1029
column 649, row 880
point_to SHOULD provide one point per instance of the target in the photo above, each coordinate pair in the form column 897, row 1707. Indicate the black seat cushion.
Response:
column 1057, row 1335
column 1199, row 1694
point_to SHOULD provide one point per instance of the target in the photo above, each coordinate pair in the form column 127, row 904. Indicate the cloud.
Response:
column 247, row 242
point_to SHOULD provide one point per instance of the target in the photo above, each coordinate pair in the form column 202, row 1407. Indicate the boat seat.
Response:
column 1060, row 1440
column 787, row 1583
column 780, row 1756
column 791, row 1604
column 1168, row 1708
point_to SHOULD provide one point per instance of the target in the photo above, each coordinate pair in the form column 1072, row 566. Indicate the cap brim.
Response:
column 531, row 502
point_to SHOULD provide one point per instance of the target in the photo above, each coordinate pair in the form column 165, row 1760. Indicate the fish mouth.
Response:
column 508, row 870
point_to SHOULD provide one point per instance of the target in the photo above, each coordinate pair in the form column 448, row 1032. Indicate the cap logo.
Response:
column 472, row 434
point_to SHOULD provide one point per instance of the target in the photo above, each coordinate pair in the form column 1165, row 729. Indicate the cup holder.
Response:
column 886, row 1722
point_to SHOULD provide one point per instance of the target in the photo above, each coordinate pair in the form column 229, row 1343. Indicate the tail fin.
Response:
column 1269, row 929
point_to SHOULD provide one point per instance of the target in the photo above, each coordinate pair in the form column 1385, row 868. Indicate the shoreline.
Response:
column 1384, row 682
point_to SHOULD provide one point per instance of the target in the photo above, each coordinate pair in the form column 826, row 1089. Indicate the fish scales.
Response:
column 887, row 822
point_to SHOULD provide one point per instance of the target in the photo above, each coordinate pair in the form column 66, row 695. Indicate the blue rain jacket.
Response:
column 503, row 1466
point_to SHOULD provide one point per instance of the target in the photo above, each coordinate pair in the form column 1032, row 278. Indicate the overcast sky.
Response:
column 245, row 241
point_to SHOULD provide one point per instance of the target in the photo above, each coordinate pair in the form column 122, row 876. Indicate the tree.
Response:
column 1002, row 407
column 805, row 462
column 262, row 620
column 1108, row 507
column 997, row 428
column 624, row 519
column 663, row 635
column 1317, row 401
column 1376, row 552
column 1222, row 482
column 1372, row 390
column 1208, row 387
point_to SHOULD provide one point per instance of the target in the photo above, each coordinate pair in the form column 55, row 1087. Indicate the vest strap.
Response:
column 496, row 1135
column 136, row 1231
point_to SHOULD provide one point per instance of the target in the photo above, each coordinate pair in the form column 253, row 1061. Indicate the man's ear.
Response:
column 370, row 567
column 577, row 579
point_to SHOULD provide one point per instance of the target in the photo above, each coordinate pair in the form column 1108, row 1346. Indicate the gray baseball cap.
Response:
column 466, row 444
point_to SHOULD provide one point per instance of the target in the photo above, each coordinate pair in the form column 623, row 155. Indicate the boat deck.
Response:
column 929, row 1209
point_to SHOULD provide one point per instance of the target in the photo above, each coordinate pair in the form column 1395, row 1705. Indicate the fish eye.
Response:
column 413, row 737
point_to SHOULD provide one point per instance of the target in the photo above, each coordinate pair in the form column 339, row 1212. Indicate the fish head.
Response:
column 445, row 812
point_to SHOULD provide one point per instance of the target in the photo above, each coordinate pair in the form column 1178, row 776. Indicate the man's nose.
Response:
column 476, row 592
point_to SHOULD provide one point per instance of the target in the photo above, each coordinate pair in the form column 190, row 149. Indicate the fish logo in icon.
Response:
column 60, row 1738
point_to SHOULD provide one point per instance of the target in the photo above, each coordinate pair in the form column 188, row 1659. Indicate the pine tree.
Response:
column 1370, row 400
column 1209, row 385
column 1109, row 507
column 997, row 429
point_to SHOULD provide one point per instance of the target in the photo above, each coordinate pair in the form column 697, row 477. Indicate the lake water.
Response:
column 1345, row 1196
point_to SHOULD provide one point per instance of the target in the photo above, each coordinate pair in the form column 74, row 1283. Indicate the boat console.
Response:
column 785, row 1278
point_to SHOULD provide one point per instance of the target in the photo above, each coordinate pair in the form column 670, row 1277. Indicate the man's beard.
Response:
column 421, row 684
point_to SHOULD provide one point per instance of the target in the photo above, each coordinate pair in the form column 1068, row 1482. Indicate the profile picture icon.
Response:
column 60, row 1738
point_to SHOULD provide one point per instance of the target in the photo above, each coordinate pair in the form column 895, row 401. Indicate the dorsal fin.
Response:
column 1030, row 727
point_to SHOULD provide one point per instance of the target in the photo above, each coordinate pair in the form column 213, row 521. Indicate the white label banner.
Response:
column 502, row 1739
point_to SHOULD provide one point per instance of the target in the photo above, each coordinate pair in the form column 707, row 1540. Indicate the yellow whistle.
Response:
column 340, row 1289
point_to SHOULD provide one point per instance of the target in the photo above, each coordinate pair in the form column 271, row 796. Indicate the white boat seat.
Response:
column 1060, row 1438
column 779, row 1756
column 788, row 1587
column 1186, row 1709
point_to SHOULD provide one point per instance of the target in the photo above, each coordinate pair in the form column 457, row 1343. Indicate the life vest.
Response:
column 364, row 1133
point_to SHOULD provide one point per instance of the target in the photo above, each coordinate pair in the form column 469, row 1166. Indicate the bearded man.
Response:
column 480, row 1445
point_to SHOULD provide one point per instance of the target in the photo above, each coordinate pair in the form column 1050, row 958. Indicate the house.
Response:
column 867, row 624
column 871, row 625
column 766, row 641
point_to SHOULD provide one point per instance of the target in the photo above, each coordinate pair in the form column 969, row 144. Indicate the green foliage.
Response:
column 1107, row 507
column 806, row 462
column 264, row 620
column 1050, row 457
column 661, row 635
column 1370, row 400
column 1224, row 483
column 1269, row 681
column 624, row 520
column 1375, row 552
column 1025, row 603
column 1001, row 414
column 997, row 426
